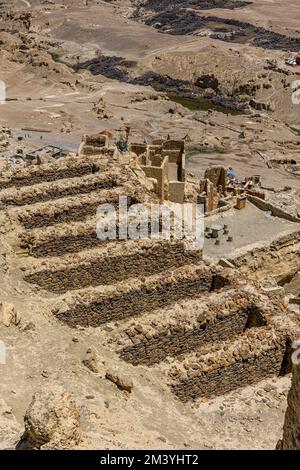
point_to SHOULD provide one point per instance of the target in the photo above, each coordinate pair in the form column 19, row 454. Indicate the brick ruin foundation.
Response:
column 57, row 171
column 160, row 300
column 97, row 310
column 200, row 380
column 111, row 269
column 42, row 193
column 213, row 324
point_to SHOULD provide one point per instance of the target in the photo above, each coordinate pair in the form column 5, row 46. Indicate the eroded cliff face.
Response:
column 291, row 429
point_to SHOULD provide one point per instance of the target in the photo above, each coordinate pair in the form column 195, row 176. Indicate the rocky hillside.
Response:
column 291, row 435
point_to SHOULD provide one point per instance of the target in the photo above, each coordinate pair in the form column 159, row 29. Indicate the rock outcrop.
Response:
column 8, row 315
column 122, row 382
column 92, row 361
column 52, row 421
column 291, row 429
column 10, row 429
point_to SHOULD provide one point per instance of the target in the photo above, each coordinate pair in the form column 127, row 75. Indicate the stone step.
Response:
column 58, row 189
column 222, row 367
column 75, row 237
column 192, row 324
column 112, row 265
column 71, row 208
column 142, row 296
column 68, row 168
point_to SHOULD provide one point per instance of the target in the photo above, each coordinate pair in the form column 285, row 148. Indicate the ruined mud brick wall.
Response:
column 173, row 144
column 155, row 161
column 188, row 283
column 269, row 207
column 90, row 151
column 154, row 150
column 217, row 176
column 96, row 140
column 138, row 149
column 60, row 189
column 212, row 188
column 68, row 169
column 253, row 359
column 60, row 241
column 63, row 238
column 94, row 145
column 176, row 191
column 111, row 269
column 149, row 346
column 174, row 150
column 291, row 429
column 72, row 210
column 175, row 157
column 209, row 196
column 143, row 160
column 160, row 173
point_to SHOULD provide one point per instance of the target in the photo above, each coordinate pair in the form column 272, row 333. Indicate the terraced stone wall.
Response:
column 241, row 372
column 150, row 349
column 40, row 174
column 109, row 270
column 142, row 300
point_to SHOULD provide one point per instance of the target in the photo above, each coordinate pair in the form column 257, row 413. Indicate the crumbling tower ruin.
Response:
column 164, row 162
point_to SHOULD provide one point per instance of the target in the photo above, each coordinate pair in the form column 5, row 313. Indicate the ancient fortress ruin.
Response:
column 208, row 328
column 164, row 162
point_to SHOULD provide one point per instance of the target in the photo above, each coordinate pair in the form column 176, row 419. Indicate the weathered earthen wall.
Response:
column 225, row 379
column 137, row 302
column 176, row 192
column 40, row 174
column 109, row 270
column 278, row 258
column 58, row 191
column 275, row 211
column 74, row 212
column 150, row 350
column 138, row 149
column 160, row 173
